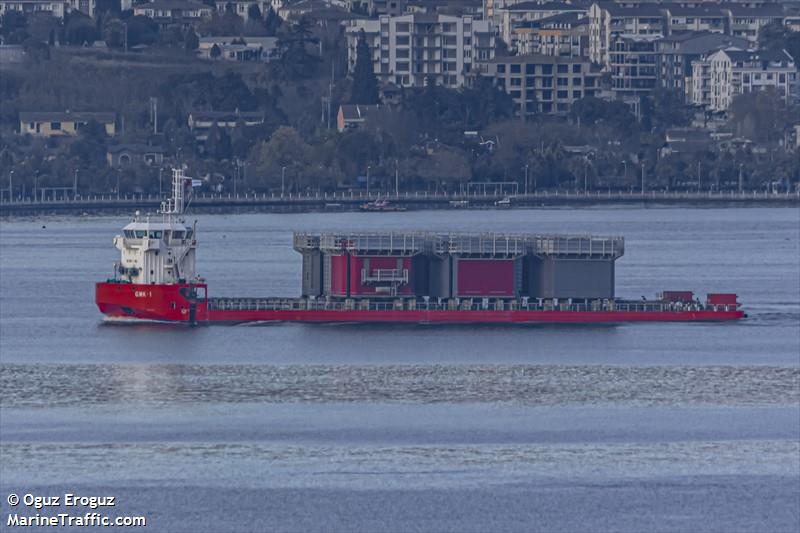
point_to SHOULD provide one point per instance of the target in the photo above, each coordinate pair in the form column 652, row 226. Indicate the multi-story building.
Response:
column 513, row 16
column 242, row 7
column 543, row 84
column 734, row 72
column 458, row 8
column 676, row 53
column 607, row 20
column 702, row 17
column 634, row 66
column 745, row 21
column 560, row 35
column 169, row 12
column 412, row 49
column 55, row 8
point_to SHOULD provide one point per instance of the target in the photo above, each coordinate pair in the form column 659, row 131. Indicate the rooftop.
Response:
column 536, row 58
column 356, row 111
column 66, row 116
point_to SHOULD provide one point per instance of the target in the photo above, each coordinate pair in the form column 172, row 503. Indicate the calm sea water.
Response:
column 649, row 427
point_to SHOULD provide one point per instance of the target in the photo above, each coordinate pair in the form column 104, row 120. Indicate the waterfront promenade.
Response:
column 349, row 201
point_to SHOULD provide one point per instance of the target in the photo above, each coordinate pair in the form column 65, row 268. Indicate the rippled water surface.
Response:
column 648, row 427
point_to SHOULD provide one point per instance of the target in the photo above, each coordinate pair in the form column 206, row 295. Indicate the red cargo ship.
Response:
column 416, row 277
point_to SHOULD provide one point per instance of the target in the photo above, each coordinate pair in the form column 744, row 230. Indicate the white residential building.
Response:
column 728, row 73
column 408, row 50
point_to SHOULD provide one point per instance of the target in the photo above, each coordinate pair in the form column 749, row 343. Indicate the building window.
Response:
column 55, row 125
column 576, row 69
column 402, row 27
column 402, row 67
column 563, row 69
column 562, row 95
column 547, row 69
column 501, row 69
column 516, row 68
column 401, row 40
column 516, row 82
column 530, row 69
column 576, row 95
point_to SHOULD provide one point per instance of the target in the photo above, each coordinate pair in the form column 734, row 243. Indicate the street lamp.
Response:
column 740, row 177
column 396, row 178
column 624, row 170
column 368, row 167
column 283, row 180
column 698, row 176
column 10, row 185
column 75, row 185
column 526, row 179
column 159, row 181
column 585, row 177
column 642, row 178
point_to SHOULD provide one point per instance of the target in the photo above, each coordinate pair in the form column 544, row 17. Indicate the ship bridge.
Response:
column 154, row 252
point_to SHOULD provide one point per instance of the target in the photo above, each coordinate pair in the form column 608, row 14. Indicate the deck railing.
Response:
column 454, row 304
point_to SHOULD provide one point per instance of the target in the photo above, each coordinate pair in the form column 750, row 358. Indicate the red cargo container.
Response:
column 338, row 274
column 381, row 276
column 721, row 299
column 677, row 296
column 486, row 277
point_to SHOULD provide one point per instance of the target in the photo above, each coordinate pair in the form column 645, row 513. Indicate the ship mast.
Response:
column 174, row 206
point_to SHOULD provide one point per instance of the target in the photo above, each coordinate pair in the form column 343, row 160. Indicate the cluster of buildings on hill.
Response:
column 556, row 52
column 545, row 54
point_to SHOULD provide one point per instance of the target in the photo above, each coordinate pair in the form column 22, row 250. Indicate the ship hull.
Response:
column 472, row 317
column 187, row 304
column 167, row 303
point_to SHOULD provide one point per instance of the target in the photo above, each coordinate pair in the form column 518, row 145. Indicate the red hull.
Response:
column 472, row 317
column 170, row 303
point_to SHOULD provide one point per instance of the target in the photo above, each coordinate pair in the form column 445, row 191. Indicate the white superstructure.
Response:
column 159, row 252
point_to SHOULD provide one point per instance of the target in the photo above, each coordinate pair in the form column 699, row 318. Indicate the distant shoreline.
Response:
column 352, row 202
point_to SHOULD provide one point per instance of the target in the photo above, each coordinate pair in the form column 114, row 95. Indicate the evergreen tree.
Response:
column 272, row 22
column 191, row 41
column 254, row 12
column 365, row 84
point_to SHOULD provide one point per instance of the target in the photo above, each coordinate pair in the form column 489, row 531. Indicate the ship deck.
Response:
column 460, row 311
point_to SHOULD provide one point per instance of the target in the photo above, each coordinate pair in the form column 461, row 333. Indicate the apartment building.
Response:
column 409, row 50
column 543, row 83
column 560, row 35
column 732, row 72
column 169, row 12
column 745, row 21
column 55, row 8
column 517, row 15
column 700, row 17
column 608, row 20
column 678, row 51
column 634, row 66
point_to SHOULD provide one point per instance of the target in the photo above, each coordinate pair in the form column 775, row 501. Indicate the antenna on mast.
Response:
column 175, row 204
